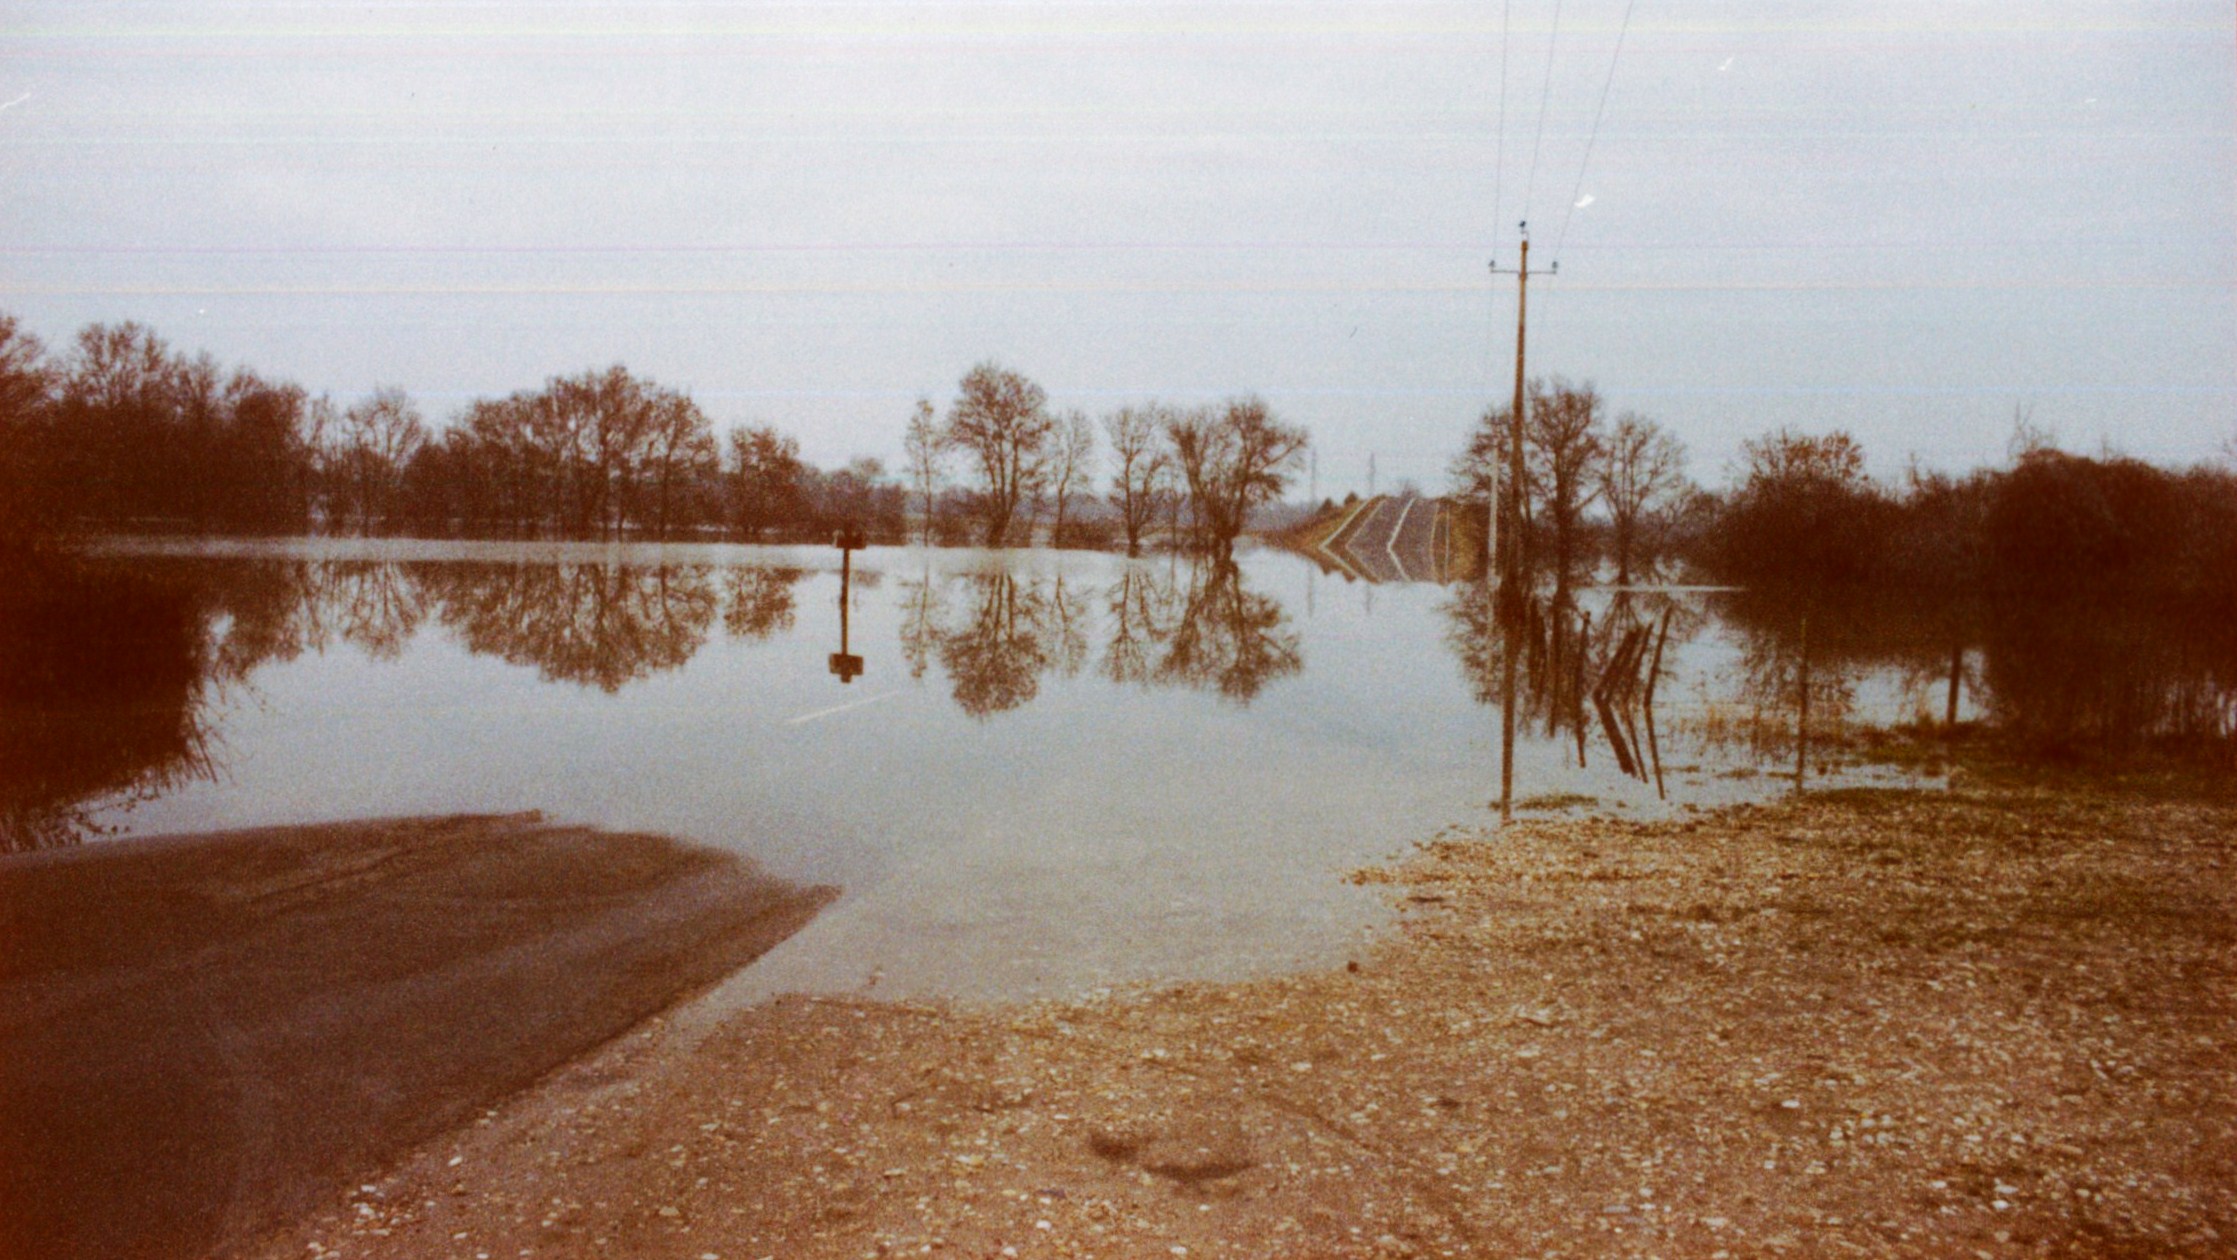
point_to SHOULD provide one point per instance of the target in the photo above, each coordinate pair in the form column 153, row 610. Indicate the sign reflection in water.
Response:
column 845, row 666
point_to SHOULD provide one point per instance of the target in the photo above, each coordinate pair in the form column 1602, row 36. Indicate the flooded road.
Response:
column 201, row 1037
column 1055, row 772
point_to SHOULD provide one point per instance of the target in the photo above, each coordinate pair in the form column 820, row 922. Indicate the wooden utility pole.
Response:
column 1509, row 535
column 1511, row 528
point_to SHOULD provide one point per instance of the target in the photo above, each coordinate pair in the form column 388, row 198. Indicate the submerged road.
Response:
column 202, row 1037
column 1393, row 539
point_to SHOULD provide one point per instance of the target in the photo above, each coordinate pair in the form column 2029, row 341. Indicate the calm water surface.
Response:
column 1054, row 772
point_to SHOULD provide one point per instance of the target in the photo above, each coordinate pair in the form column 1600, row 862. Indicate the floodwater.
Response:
column 1032, row 773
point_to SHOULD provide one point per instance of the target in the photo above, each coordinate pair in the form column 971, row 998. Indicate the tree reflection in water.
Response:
column 106, row 675
column 103, row 683
column 1201, row 628
column 1140, row 612
column 601, row 625
column 108, row 672
column 921, row 609
column 995, row 658
column 373, row 606
column 259, row 612
column 1229, row 639
column 1069, row 634
column 1836, row 640
column 759, row 602
column 2059, row 676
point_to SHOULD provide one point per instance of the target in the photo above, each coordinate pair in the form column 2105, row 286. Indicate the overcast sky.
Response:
column 1903, row 219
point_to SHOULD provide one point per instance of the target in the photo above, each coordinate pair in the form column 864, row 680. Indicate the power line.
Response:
column 1499, row 151
column 1498, row 177
column 1491, row 335
column 1594, row 134
column 1544, row 96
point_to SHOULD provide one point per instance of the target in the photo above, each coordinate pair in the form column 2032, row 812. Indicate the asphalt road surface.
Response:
column 202, row 1037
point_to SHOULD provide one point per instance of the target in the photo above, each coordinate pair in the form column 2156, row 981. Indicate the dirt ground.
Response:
column 1997, row 1021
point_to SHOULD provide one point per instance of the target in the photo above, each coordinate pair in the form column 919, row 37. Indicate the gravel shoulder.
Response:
column 1993, row 1021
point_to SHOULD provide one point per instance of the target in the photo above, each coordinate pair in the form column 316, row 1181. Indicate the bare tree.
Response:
column 1562, row 441
column 2028, row 438
column 1787, row 456
column 378, row 437
column 766, row 475
column 1480, row 475
column 1200, row 447
column 926, row 459
column 1233, row 460
column 602, row 451
column 567, row 433
column 1143, row 467
column 1000, row 421
column 849, row 496
column 680, row 452
column 1071, row 465
column 26, row 379
column 1804, row 514
column 606, row 418
column 322, row 426
column 116, row 402
column 27, row 384
column 263, row 463
column 1642, row 471
column 497, row 442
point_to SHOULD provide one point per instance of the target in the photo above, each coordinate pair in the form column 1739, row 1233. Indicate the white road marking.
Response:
column 841, row 708
column 1390, row 545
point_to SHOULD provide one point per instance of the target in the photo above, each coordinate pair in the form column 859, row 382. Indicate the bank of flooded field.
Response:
column 1997, row 1021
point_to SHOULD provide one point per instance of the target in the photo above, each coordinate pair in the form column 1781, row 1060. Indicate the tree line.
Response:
column 1802, row 510
column 120, row 431
column 1196, row 474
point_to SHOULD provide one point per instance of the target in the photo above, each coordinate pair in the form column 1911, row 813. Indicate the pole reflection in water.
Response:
column 1511, row 617
column 1802, row 715
column 1957, row 676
